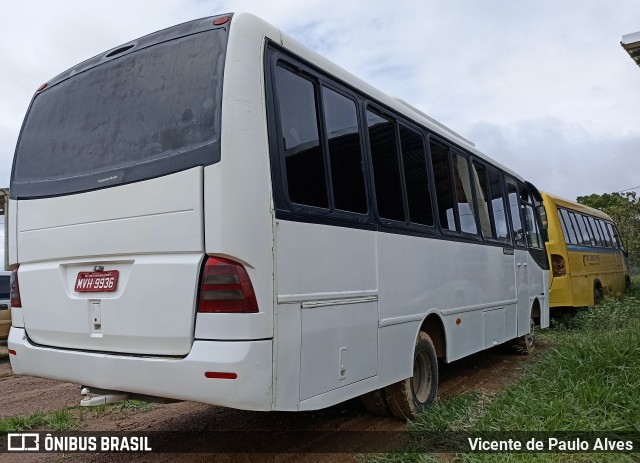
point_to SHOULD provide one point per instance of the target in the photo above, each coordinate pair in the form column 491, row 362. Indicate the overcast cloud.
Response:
column 543, row 87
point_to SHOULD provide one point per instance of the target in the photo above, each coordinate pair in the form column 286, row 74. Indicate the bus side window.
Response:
column 567, row 227
column 605, row 233
column 386, row 166
column 592, row 238
column 614, row 235
column 497, row 205
column 416, row 177
column 482, row 199
column 574, row 224
column 304, row 161
column 584, row 230
column 531, row 227
column 514, row 208
column 444, row 191
column 345, row 152
column 596, row 231
column 466, row 214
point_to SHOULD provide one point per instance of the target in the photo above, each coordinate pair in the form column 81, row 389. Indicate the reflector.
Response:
column 221, row 20
column 219, row 375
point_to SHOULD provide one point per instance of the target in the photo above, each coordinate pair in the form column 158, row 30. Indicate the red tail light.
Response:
column 225, row 287
column 15, row 289
column 559, row 267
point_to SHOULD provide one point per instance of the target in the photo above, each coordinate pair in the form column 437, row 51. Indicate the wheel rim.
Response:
column 531, row 337
column 421, row 382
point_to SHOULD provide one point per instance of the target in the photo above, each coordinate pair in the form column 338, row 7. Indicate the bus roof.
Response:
column 249, row 23
column 242, row 20
column 574, row 206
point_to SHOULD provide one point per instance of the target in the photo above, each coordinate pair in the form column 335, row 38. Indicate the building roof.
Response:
column 631, row 43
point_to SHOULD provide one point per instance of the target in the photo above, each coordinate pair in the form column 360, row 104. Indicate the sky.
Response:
column 541, row 86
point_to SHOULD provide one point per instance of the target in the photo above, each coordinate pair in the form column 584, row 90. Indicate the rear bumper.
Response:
column 182, row 378
column 560, row 292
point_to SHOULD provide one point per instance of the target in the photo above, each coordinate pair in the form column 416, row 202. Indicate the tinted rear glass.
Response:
column 147, row 113
column 4, row 286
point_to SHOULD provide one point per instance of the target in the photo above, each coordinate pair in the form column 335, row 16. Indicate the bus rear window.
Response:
column 144, row 114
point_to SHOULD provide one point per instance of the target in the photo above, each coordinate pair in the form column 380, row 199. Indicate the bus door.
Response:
column 538, row 264
column 521, row 257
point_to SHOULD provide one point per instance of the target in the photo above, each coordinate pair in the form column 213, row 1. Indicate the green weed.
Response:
column 589, row 380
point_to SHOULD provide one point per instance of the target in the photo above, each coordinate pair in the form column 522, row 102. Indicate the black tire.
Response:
column 598, row 294
column 375, row 403
column 526, row 345
column 410, row 397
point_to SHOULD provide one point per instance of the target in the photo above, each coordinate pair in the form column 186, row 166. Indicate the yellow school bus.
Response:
column 588, row 258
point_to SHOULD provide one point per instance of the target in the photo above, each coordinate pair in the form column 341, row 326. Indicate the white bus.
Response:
column 216, row 213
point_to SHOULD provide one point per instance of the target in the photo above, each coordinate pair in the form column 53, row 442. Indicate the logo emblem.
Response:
column 23, row 442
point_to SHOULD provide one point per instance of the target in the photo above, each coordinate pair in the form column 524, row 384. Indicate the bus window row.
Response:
column 586, row 230
column 340, row 154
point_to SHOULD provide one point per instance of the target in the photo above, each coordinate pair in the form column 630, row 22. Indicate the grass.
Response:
column 589, row 380
column 119, row 407
column 69, row 418
column 57, row 420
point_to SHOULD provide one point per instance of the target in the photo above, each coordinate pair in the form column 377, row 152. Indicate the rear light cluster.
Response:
column 558, row 265
column 225, row 287
column 15, row 289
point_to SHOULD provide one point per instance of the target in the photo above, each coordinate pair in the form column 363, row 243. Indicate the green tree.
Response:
column 624, row 209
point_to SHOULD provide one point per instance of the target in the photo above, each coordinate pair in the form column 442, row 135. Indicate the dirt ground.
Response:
column 487, row 371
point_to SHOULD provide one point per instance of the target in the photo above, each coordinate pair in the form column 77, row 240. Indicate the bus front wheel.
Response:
column 526, row 344
column 410, row 397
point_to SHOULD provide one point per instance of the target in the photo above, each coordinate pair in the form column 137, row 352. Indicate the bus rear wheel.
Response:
column 375, row 402
column 409, row 397
column 598, row 294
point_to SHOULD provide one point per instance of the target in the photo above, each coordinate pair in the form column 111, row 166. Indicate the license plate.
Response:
column 97, row 282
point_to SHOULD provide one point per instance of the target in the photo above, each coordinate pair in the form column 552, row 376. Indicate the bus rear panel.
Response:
column 119, row 284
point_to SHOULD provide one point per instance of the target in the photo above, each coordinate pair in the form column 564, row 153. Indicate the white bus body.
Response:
column 340, row 297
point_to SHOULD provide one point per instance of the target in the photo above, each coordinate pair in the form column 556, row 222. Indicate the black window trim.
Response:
column 605, row 232
column 332, row 213
column 509, row 179
column 274, row 55
column 602, row 224
column 427, row 159
column 141, row 171
column 301, row 208
column 477, row 235
column 538, row 231
column 488, row 167
column 383, row 221
column 563, row 224
column 325, row 139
